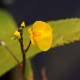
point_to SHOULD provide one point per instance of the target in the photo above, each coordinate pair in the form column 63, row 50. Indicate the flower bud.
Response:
column 23, row 24
column 17, row 34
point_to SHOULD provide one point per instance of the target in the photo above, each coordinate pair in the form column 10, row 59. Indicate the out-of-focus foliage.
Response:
column 64, row 31
column 7, row 25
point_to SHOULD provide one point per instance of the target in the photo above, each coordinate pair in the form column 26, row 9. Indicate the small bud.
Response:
column 23, row 24
column 2, row 43
column 17, row 34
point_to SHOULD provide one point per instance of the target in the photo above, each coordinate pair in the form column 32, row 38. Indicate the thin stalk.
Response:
column 23, row 53
column 20, row 66
column 28, row 47
column 43, row 75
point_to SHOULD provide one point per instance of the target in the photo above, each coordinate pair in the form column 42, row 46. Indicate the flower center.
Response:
column 36, row 35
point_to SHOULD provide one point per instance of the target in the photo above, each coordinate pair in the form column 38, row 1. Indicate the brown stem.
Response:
column 43, row 75
column 28, row 47
column 23, row 53
column 21, row 43
column 20, row 66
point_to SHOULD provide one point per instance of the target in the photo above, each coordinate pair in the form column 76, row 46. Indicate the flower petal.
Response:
column 31, row 35
column 45, row 41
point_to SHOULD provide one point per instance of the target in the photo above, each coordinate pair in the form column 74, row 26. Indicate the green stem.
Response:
column 28, row 71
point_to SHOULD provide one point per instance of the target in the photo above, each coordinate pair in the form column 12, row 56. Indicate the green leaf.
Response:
column 64, row 31
column 7, row 26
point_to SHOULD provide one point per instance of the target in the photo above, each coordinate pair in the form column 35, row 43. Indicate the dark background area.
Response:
column 61, row 63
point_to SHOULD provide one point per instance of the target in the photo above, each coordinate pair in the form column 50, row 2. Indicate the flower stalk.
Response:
column 23, row 50
column 28, row 47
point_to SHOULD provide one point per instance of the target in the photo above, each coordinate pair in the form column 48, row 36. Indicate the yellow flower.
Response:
column 41, row 35
column 17, row 34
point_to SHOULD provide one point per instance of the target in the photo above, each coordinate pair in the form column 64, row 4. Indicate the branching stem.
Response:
column 28, row 47
column 23, row 52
